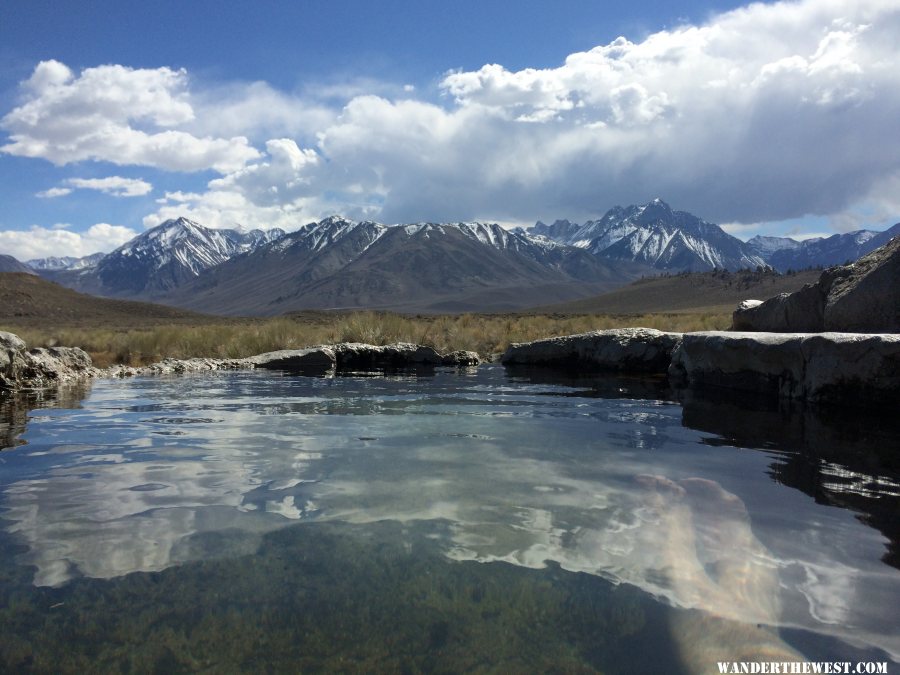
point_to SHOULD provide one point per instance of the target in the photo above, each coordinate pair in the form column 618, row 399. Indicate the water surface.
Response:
column 476, row 520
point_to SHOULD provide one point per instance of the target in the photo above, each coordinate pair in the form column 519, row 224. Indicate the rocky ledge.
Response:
column 845, row 368
column 22, row 368
column 625, row 350
column 350, row 356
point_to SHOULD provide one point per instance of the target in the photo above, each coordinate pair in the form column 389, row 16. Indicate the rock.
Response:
column 460, row 358
column 42, row 367
column 294, row 359
column 359, row 356
column 846, row 368
column 638, row 350
column 9, row 341
column 863, row 297
column 866, row 297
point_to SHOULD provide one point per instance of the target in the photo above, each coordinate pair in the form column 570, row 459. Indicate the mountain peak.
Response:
column 335, row 220
column 655, row 210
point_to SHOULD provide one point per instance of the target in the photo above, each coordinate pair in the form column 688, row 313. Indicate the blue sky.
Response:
column 777, row 118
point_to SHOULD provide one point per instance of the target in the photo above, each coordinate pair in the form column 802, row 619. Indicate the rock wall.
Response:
column 845, row 368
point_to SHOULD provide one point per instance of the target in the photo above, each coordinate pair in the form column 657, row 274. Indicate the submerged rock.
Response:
column 846, row 368
column 863, row 297
column 638, row 350
column 460, row 358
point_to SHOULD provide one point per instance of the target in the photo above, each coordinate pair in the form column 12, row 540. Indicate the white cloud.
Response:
column 113, row 185
column 768, row 113
column 115, row 114
column 54, row 192
column 41, row 242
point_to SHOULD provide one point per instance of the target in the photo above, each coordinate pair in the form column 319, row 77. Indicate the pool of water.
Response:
column 479, row 520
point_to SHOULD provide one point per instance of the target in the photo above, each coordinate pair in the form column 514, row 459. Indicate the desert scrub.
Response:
column 483, row 333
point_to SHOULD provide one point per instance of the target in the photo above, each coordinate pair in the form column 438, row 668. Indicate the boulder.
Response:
column 40, row 367
column 863, row 297
column 801, row 311
column 638, row 350
column 846, row 368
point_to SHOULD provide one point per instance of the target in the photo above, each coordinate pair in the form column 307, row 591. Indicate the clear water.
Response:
column 459, row 521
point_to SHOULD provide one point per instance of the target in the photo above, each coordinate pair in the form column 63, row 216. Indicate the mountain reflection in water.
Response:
column 607, row 477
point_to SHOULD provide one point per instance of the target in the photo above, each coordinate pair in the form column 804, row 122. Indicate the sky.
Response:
column 778, row 118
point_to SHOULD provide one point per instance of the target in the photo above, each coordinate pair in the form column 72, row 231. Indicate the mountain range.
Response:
column 785, row 254
column 343, row 264
column 433, row 267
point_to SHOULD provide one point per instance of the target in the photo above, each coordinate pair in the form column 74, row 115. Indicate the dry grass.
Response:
column 485, row 334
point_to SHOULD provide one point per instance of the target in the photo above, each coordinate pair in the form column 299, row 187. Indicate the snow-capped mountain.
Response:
column 162, row 258
column 766, row 246
column 424, row 266
column 66, row 262
column 825, row 251
column 656, row 235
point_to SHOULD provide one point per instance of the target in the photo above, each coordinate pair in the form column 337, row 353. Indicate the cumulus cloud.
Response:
column 41, row 242
column 766, row 113
column 115, row 114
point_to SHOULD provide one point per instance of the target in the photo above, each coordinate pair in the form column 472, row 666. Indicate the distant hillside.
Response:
column 10, row 264
column 27, row 300
column 718, row 291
